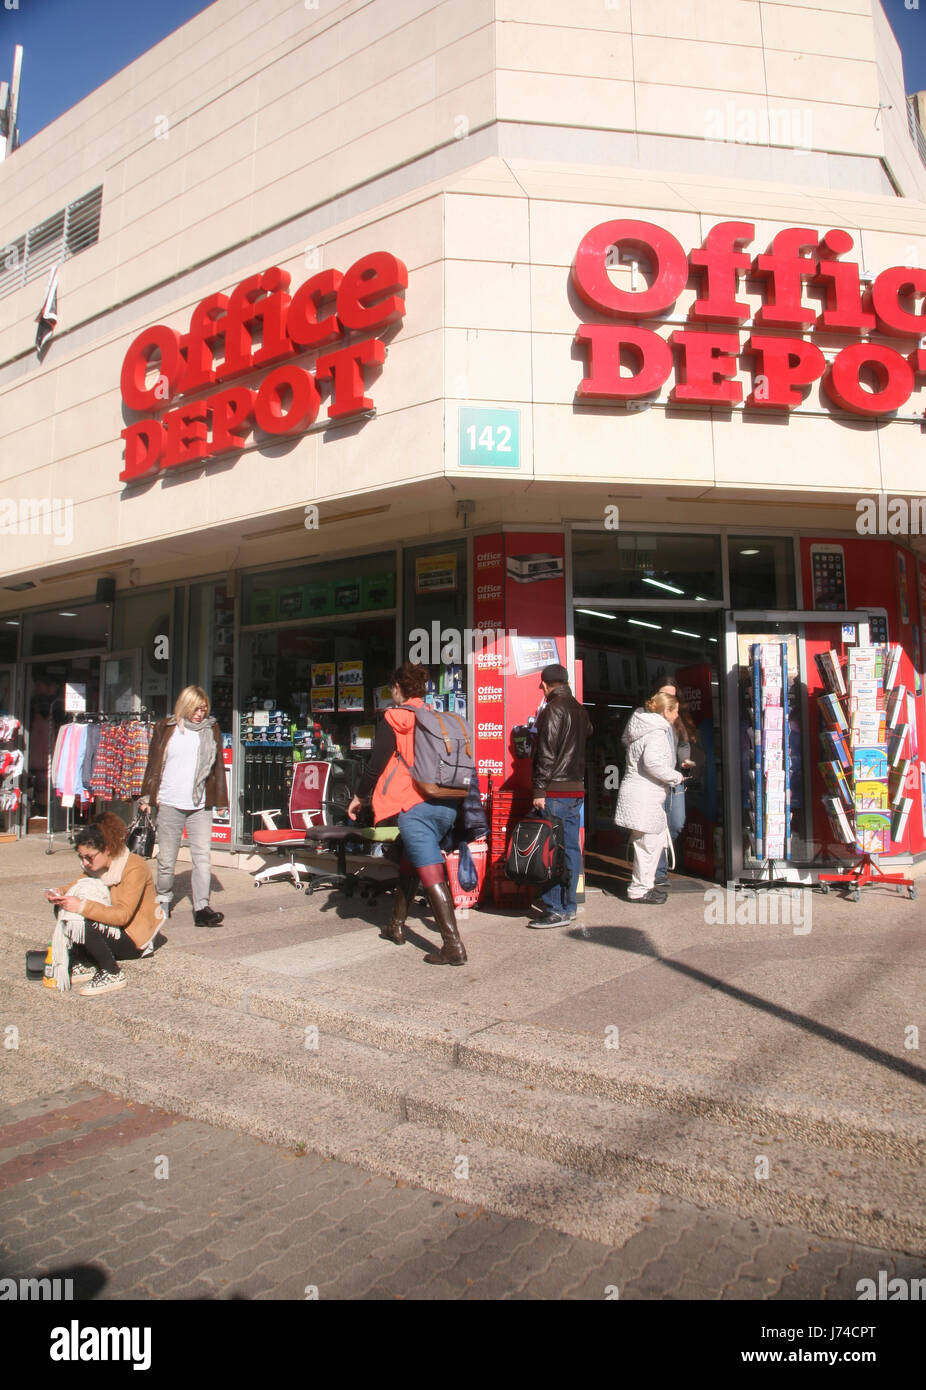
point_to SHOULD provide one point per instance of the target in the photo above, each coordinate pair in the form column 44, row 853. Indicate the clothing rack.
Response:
column 142, row 716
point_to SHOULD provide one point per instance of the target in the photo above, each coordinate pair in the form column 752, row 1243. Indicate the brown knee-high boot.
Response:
column 405, row 891
column 452, row 952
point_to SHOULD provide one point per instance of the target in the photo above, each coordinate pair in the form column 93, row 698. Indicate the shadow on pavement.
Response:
column 638, row 943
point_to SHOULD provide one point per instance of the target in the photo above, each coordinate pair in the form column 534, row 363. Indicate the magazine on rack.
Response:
column 828, row 665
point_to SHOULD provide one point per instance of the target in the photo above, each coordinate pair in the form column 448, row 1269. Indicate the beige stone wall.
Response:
column 257, row 131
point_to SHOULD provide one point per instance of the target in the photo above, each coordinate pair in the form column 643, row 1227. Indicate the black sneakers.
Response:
column 205, row 917
column 655, row 895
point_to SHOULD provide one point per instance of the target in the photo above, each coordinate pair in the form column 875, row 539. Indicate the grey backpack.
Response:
column 443, row 764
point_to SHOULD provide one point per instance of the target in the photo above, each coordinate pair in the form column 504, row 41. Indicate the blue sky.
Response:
column 73, row 46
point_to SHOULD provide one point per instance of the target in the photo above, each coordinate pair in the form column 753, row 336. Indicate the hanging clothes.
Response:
column 68, row 760
column 94, row 734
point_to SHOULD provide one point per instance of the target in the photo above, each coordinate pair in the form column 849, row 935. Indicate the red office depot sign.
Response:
column 324, row 316
column 784, row 361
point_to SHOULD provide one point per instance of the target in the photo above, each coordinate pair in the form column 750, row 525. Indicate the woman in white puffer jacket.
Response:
column 641, row 801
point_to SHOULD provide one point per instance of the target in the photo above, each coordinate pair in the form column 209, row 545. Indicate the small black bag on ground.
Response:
column 537, row 851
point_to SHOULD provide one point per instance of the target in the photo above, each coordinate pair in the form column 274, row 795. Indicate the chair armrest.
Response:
column 267, row 817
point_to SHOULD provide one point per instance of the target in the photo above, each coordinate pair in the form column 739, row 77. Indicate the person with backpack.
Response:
column 558, row 777
column 423, row 818
column 641, row 801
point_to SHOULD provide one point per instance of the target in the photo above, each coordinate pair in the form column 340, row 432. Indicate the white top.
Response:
column 176, row 788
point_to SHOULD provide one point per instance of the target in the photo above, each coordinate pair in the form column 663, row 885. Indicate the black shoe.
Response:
column 653, row 896
column 205, row 917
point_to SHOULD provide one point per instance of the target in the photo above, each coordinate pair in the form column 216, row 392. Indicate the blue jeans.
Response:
column 422, row 829
column 562, row 897
column 675, row 815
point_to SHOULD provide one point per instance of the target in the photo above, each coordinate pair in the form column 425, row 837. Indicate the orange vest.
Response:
column 394, row 792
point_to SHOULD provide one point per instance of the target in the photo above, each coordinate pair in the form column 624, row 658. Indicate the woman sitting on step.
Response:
column 109, row 915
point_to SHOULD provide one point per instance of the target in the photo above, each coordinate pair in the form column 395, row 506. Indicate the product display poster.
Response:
column 323, row 699
column 350, row 673
column 350, row 697
column 435, row 574
column 323, row 673
column 533, row 653
column 361, row 737
column 382, row 697
column 221, row 820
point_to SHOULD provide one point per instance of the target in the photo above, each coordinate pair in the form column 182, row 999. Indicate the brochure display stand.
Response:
column 864, row 736
column 767, row 800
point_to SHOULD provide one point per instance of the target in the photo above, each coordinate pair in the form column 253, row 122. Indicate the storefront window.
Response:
column 310, row 693
column 337, row 588
column 211, row 648
column 435, row 590
column 646, row 565
column 142, row 622
column 761, row 572
column 69, row 628
column 9, row 636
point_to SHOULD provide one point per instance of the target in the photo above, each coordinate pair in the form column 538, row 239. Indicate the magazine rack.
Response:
column 864, row 767
column 868, row 871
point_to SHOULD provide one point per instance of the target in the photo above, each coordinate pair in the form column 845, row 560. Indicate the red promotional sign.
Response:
column 489, row 681
column 259, row 325
column 864, row 378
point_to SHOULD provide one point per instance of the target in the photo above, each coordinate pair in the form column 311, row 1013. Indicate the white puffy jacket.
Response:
column 651, row 770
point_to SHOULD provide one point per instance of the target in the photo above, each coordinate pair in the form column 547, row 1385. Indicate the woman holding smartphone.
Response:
column 107, row 916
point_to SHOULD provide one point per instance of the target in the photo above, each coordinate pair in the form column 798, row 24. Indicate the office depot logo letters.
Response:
column 784, row 361
column 327, row 313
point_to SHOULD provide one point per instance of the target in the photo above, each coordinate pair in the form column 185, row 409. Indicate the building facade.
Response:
column 385, row 326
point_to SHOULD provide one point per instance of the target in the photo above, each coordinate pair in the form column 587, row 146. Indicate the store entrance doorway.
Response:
column 626, row 655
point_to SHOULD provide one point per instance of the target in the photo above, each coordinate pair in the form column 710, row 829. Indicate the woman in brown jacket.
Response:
column 185, row 778
column 122, row 929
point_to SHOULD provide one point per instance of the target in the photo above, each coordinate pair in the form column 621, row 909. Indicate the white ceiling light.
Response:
column 659, row 585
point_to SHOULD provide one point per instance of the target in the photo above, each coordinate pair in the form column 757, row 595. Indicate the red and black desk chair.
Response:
column 308, row 806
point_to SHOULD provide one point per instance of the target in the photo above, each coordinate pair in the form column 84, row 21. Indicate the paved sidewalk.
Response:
column 826, row 1004
column 132, row 1203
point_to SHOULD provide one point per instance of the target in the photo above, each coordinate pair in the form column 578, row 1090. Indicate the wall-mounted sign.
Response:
column 864, row 378
column 489, row 438
column 163, row 365
column 435, row 574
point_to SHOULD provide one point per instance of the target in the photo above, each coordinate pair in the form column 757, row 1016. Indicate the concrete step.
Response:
column 571, row 1063
column 198, row 1056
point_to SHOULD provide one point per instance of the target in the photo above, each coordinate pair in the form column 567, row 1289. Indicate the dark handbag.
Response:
column 35, row 963
column 140, row 837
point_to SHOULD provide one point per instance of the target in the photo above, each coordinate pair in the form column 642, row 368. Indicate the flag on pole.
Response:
column 47, row 317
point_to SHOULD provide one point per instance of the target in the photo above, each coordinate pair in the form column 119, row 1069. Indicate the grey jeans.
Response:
column 198, row 824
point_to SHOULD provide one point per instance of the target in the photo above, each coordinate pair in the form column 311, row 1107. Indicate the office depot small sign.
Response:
column 166, row 375
column 865, row 378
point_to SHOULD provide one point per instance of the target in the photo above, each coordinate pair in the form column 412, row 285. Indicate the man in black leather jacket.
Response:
column 559, row 784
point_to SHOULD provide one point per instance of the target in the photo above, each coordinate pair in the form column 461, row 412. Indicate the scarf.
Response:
column 69, row 926
column 205, row 758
